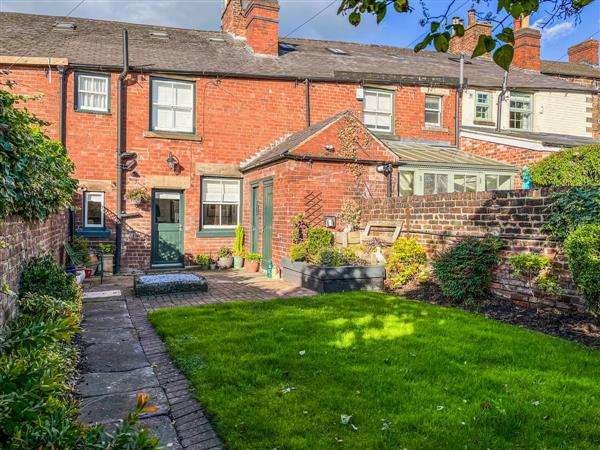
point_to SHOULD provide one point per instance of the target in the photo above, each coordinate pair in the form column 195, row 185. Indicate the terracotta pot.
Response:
column 252, row 266
column 88, row 272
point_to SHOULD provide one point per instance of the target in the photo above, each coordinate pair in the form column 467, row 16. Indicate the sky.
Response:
column 296, row 16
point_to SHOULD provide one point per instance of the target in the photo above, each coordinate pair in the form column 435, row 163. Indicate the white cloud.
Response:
column 551, row 33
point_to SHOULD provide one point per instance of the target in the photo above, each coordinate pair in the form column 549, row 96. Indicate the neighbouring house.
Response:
column 241, row 126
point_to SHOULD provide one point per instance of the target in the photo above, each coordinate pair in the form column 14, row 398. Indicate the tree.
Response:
column 441, row 29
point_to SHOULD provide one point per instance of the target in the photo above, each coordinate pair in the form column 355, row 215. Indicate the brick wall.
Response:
column 437, row 221
column 24, row 240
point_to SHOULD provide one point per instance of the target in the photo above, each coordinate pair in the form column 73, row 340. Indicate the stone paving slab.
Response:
column 103, row 383
column 113, row 407
column 95, row 335
column 115, row 357
column 162, row 427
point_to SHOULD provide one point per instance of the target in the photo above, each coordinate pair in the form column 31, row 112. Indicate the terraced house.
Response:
column 241, row 126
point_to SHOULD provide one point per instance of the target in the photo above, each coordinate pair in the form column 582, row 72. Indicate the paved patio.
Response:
column 123, row 355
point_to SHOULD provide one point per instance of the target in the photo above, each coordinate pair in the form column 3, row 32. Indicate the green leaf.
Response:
column 381, row 11
column 507, row 36
column 485, row 44
column 504, row 56
column 354, row 18
column 424, row 43
column 441, row 42
column 516, row 10
column 459, row 29
column 579, row 4
column 503, row 5
column 401, row 6
column 434, row 26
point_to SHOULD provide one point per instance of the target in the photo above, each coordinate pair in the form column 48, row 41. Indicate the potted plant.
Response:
column 203, row 261
column 107, row 251
column 212, row 264
column 138, row 195
column 238, row 248
column 225, row 260
column 252, row 262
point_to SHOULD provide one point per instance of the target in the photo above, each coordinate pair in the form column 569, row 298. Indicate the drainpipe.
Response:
column 62, row 133
column 458, row 100
column 120, row 150
column 500, row 100
column 307, row 96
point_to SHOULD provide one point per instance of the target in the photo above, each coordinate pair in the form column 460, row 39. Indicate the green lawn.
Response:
column 411, row 375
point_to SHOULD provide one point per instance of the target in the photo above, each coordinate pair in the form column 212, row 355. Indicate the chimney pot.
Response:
column 471, row 16
column 255, row 20
column 455, row 20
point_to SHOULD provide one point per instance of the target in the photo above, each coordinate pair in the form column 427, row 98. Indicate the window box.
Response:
column 92, row 93
column 93, row 232
column 172, row 105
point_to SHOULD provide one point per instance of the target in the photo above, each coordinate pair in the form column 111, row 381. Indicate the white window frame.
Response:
column 498, row 175
column 487, row 104
column 414, row 179
column 419, row 178
column 203, row 202
column 438, row 111
column 154, row 104
column 380, row 93
column 529, row 121
column 464, row 175
column 80, row 92
column 85, row 209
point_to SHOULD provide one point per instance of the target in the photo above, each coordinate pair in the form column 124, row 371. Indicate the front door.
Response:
column 167, row 228
column 267, row 232
column 254, row 219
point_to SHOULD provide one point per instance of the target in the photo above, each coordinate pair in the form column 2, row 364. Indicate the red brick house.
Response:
column 241, row 126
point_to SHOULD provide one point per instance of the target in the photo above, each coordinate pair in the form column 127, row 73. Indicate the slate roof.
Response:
column 569, row 69
column 428, row 155
column 547, row 139
column 98, row 43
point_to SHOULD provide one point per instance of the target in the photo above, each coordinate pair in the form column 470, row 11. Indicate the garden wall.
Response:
column 437, row 221
column 20, row 241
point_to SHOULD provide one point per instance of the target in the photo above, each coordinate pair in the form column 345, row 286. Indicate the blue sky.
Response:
column 397, row 29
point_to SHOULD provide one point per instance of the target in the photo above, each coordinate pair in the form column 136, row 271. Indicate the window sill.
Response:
column 86, row 111
column 93, row 232
column 484, row 122
column 229, row 232
column 172, row 135
column 435, row 129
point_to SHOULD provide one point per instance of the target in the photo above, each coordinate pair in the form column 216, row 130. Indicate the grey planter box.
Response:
column 333, row 279
column 169, row 283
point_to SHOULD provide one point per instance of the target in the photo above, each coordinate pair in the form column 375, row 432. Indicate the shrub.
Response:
column 202, row 260
column 464, row 271
column 333, row 256
column 224, row 252
column 47, row 307
column 300, row 228
column 238, row 244
column 253, row 256
column 533, row 269
column 42, row 275
column 106, row 249
column 318, row 238
column 572, row 208
column 299, row 251
column 583, row 251
column 406, row 261
column 578, row 166
column 81, row 245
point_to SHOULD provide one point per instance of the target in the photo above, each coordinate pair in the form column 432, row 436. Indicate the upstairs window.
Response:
column 483, row 106
column 92, row 93
column 172, row 106
column 220, row 202
column 378, row 110
column 520, row 112
column 433, row 110
column 93, row 209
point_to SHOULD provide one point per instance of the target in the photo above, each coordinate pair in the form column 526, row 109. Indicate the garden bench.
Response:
column 78, row 259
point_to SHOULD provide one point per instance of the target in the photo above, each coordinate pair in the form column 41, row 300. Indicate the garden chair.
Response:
column 78, row 260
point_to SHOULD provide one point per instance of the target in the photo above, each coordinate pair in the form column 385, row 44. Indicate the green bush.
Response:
column 299, row 251
column 464, row 271
column 578, row 166
column 528, row 265
column 202, row 260
column 42, row 275
column 582, row 248
column 572, row 208
column 318, row 238
column 224, row 252
column 334, row 257
column 36, row 171
column 406, row 261
column 238, row 244
column 47, row 307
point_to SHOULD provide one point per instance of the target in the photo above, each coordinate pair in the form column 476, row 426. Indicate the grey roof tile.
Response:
column 548, row 139
column 570, row 69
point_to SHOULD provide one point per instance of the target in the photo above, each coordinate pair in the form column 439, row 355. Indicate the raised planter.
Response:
column 333, row 279
column 167, row 283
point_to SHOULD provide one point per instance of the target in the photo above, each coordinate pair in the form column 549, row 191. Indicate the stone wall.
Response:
column 20, row 241
column 437, row 221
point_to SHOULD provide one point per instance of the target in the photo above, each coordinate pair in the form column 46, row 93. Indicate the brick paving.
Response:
column 123, row 355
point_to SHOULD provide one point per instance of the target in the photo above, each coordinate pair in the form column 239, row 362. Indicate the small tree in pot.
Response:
column 203, row 261
column 107, row 251
column 225, row 258
column 252, row 262
column 238, row 248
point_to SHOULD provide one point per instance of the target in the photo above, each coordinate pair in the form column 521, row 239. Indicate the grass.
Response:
column 410, row 375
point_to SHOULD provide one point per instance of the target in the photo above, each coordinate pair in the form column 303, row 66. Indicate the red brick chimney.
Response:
column 255, row 20
column 585, row 52
column 474, row 29
column 527, row 45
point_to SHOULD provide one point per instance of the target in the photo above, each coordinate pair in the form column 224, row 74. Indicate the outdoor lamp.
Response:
column 172, row 161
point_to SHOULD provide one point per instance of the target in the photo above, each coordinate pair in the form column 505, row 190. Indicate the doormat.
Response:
column 102, row 294
column 169, row 283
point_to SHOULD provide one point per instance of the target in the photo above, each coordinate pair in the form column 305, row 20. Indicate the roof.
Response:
column 546, row 139
column 428, row 155
column 98, row 43
column 571, row 69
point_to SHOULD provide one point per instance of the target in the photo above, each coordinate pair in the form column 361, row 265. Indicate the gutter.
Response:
column 310, row 158
column 61, row 113
column 307, row 95
column 120, row 150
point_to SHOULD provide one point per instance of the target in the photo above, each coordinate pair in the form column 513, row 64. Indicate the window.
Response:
column 433, row 110
column 92, row 92
column 435, row 183
column 483, row 107
column 406, row 183
column 220, row 203
column 378, row 110
column 497, row 182
column 465, row 183
column 93, row 209
column 520, row 112
column 172, row 106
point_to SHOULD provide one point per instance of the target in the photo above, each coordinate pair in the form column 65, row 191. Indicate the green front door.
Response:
column 254, row 219
column 267, row 232
column 167, row 228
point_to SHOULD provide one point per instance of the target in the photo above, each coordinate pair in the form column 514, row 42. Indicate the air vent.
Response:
column 337, row 51
column 65, row 26
column 287, row 47
column 159, row 34
column 215, row 39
